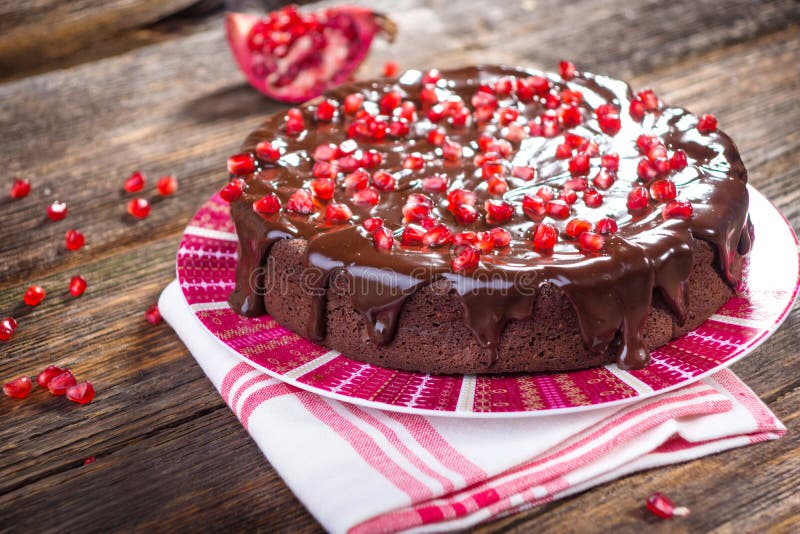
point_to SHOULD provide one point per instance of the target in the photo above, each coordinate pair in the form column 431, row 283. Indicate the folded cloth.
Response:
column 364, row 470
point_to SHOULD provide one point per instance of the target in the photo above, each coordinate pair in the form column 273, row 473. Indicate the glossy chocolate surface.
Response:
column 611, row 290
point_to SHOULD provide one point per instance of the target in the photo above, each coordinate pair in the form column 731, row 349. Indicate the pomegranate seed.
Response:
column 610, row 162
column 323, row 169
column 371, row 159
column 497, row 185
column 437, row 235
column 437, row 183
column 484, row 242
column 240, row 164
column 34, row 295
column 605, row 226
column 269, row 204
column 569, row 196
column 371, row 224
column 18, row 388
column 645, row 141
column 436, row 137
column 524, row 173
column 465, row 214
column 557, row 209
column 300, row 202
column 82, row 393
column 590, row 149
column 89, row 460
column 451, row 151
column 610, row 123
column 428, row 96
column 153, row 315
column 357, row 180
column 50, row 372
column 390, row 69
column 57, row 210
column 390, row 101
column 352, row 103
column 567, row 70
column 232, row 190
column 591, row 241
column 636, row 110
column 19, row 188
column 412, row 235
column 678, row 161
column 661, row 190
column 326, row 110
column 461, row 196
column 139, row 207
column 491, row 168
column 571, row 96
column 570, row 116
column 662, row 506
column 576, row 184
column 603, row 179
column 7, row 327
column 134, row 182
column 579, row 165
column 367, row 197
column 413, row 162
column 545, row 192
column 295, row 122
column 466, row 260
column 432, row 76
column 563, row 151
column 646, row 170
column 707, row 124
column 465, row 238
column 322, row 189
column 656, row 151
column 383, row 181
column 592, row 198
column 483, row 99
column 533, row 206
column 74, row 239
column 502, row 237
column 337, row 213
column 545, row 236
column 59, row 384
column 408, row 111
column 267, row 151
column 498, row 211
column 638, row 198
column 677, row 209
column 77, row 285
column 435, row 113
column 347, row 147
column 576, row 227
column 383, row 238
column 167, row 185
column 417, row 207
column 507, row 115
column 649, row 99
column 503, row 86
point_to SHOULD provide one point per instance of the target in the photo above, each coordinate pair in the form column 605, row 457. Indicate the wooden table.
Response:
column 81, row 111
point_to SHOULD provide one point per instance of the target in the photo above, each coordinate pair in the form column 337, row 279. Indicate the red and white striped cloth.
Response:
column 363, row 470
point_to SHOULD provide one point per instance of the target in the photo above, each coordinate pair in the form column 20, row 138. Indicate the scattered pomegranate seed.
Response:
column 322, row 188
column 656, row 151
column 34, row 295
column 638, row 199
column 608, row 119
column 497, row 185
column 7, row 327
column 533, row 206
column 610, row 162
column 268, row 205
column 576, row 184
column 372, row 224
column 19, row 188
column 353, row 102
column 167, row 185
column 390, row 69
column 44, row 378
column 604, row 179
column 437, row 183
column 569, row 196
column 412, row 235
column 707, row 124
column 502, row 237
column 567, row 70
column 153, row 315
column 432, row 76
column 326, row 110
column 383, row 238
column 414, row 162
column 465, row 214
column 662, row 506
column 466, row 260
column 677, row 209
column 74, row 239
column 300, row 202
column 545, row 192
column 18, row 388
column 267, row 151
column 295, row 123
column 59, row 384
column 323, row 169
column 545, row 236
column 139, row 207
column 579, row 165
column 591, row 241
column 592, row 198
column 384, row 181
column 646, row 170
column 232, row 190
column 356, row 180
column 678, row 160
column 636, row 110
column 524, row 173
column 390, row 101
column 491, row 168
column 563, row 151
column 367, row 197
column 498, row 211
column 451, row 151
column 437, row 235
column 645, row 141
column 57, row 210
column 82, row 393
column 661, row 190
column 605, row 226
column 134, row 182
column 337, row 213
column 649, row 99
column 240, row 164
column 576, row 227
column 89, row 460
column 570, row 116
column 371, row 159
column 398, row 127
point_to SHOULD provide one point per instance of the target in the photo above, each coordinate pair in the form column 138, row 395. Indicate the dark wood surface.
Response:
column 167, row 98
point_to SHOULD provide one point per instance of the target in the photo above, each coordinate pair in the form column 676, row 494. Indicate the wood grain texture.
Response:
column 170, row 454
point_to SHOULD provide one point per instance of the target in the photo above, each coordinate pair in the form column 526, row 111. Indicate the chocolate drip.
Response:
column 611, row 291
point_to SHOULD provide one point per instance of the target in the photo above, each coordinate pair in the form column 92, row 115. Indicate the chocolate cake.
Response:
column 488, row 220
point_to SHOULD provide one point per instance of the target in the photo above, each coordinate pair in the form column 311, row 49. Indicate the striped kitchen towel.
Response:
column 363, row 470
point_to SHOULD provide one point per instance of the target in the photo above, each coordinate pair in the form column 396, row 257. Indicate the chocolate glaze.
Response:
column 611, row 291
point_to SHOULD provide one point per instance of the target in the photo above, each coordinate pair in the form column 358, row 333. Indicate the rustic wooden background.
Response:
column 91, row 90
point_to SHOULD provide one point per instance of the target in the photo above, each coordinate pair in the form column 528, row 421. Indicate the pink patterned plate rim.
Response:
column 206, row 263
